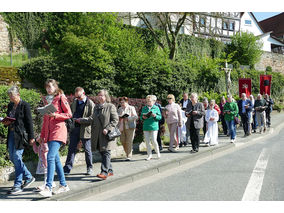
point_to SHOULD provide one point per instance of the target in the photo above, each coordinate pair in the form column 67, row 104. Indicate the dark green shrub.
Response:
column 268, row 69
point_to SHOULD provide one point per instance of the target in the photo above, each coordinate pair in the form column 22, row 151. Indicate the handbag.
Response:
column 111, row 135
column 131, row 124
column 237, row 120
column 24, row 135
column 69, row 123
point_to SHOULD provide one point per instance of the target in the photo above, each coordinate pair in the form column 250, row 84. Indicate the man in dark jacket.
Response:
column 82, row 110
column 195, row 113
column 269, row 104
column 245, row 108
column 20, row 135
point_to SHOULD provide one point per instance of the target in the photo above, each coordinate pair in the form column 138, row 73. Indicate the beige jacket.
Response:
column 130, row 110
column 103, row 118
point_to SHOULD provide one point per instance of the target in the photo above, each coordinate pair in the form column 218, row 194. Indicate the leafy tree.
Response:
column 245, row 48
column 169, row 23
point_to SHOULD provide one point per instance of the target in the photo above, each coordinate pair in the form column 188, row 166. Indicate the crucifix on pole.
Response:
column 227, row 78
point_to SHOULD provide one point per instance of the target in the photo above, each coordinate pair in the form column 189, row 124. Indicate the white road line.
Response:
column 254, row 186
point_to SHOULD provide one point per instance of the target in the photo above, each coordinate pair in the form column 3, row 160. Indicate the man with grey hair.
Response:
column 20, row 135
column 82, row 109
column 245, row 109
column 195, row 112
column 260, row 107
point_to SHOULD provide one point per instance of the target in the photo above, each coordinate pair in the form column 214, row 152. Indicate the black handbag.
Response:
column 25, row 136
column 111, row 135
column 69, row 123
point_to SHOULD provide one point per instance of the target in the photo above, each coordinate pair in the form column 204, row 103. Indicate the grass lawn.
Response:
column 17, row 60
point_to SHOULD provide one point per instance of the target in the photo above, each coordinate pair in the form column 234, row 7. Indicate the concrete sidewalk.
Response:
column 130, row 171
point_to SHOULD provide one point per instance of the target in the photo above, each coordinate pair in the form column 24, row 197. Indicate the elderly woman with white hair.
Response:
column 150, row 116
column 20, row 135
column 174, row 120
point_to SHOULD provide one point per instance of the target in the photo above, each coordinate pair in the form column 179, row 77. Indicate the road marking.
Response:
column 254, row 186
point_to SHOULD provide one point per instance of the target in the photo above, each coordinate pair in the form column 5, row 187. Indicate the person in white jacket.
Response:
column 127, row 125
column 211, row 117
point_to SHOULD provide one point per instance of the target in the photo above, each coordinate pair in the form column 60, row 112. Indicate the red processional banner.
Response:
column 245, row 86
column 265, row 84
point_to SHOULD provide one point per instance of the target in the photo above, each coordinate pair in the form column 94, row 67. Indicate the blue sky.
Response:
column 264, row 15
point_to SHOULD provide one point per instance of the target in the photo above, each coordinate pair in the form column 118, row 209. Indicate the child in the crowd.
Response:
column 41, row 150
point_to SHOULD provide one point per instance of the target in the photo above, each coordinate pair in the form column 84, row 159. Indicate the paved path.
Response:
column 126, row 172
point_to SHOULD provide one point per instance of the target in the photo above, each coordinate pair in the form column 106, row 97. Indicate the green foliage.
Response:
column 38, row 70
column 191, row 45
column 268, row 69
column 212, row 95
column 29, row 27
column 245, row 48
column 4, row 157
column 18, row 60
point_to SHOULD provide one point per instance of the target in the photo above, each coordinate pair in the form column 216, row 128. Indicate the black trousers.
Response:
column 246, row 123
column 194, row 137
column 224, row 124
column 267, row 114
column 72, row 149
column 159, row 140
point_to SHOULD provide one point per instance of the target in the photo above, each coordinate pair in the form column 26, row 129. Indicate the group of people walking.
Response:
column 93, row 123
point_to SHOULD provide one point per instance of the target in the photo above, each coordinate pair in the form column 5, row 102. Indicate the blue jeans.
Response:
column 53, row 163
column 232, row 128
column 16, row 156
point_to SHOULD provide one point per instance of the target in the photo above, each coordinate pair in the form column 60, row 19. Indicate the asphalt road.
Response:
column 250, row 173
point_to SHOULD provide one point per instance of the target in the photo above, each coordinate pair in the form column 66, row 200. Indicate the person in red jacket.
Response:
column 54, row 133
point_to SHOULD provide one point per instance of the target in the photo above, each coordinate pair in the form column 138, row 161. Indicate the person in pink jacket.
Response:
column 54, row 133
column 173, row 118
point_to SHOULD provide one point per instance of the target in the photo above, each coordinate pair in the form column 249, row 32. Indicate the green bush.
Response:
column 268, row 69
column 244, row 48
column 279, row 107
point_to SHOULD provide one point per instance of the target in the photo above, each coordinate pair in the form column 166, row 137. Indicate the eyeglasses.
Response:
column 169, row 98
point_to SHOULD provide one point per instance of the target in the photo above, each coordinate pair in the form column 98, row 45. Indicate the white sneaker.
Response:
column 41, row 188
column 46, row 192
column 232, row 140
column 158, row 155
column 177, row 148
column 53, row 184
column 149, row 157
column 62, row 189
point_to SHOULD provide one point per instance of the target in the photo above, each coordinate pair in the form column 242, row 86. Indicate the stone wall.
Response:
column 4, row 37
column 5, row 42
column 276, row 61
